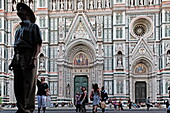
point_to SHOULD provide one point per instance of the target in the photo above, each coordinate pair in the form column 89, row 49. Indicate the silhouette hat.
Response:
column 27, row 9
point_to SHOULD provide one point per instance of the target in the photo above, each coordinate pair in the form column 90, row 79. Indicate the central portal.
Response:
column 80, row 81
column 140, row 92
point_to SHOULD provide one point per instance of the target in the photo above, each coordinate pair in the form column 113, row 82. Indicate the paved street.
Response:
column 89, row 111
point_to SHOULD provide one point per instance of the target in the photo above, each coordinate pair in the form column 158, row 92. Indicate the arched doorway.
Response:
column 142, row 80
column 140, row 92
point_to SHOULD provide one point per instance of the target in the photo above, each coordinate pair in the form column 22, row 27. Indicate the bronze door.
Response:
column 80, row 81
column 140, row 92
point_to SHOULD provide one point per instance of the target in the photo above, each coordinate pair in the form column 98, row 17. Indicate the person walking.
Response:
column 120, row 104
column 148, row 104
column 42, row 94
column 104, row 97
column 83, row 99
column 26, row 48
column 77, row 101
column 115, row 104
column 96, row 97
column 130, row 104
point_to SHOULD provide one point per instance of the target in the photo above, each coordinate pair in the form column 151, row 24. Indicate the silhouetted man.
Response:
column 26, row 48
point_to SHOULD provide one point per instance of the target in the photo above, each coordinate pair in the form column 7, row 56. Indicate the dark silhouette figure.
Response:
column 26, row 48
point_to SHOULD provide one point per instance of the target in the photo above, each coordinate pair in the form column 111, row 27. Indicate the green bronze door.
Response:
column 80, row 81
column 140, row 92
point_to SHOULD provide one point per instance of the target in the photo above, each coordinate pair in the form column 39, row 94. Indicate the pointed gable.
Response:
column 142, row 49
column 80, row 29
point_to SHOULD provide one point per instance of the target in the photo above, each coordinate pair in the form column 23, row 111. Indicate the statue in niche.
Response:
column 80, row 4
column 119, row 62
column 167, row 46
column 99, row 30
column 69, row 4
column 14, row 3
column 107, row 3
column 99, row 3
column 61, row 28
column 168, row 60
column 151, row 2
column 53, row 4
column 42, row 61
column 141, row 2
column 91, row 4
column 132, row 2
column 68, row 90
column 62, row 4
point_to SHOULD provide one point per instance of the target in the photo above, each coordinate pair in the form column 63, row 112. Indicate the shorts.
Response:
column 42, row 101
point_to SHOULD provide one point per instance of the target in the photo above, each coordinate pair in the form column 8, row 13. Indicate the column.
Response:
column 115, row 87
column 131, row 89
column 124, row 86
column 2, row 88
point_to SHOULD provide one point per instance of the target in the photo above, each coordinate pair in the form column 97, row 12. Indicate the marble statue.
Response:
column 91, row 4
column 107, row 3
column 69, row 4
column 99, row 3
column 80, row 4
column 53, row 4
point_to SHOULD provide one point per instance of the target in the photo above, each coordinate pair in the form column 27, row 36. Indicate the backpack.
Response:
column 104, row 95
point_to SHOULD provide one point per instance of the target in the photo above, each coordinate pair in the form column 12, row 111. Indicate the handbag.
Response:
column 91, row 96
column 103, row 104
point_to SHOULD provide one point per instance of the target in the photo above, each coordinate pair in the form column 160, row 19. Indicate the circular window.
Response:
column 141, row 27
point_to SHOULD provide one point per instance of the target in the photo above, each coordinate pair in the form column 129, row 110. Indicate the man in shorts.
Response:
column 42, row 94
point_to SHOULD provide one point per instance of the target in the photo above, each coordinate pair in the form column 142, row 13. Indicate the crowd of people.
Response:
column 97, row 96
column 27, row 46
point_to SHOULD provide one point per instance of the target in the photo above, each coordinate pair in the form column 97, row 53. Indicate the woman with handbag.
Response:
column 83, row 99
column 96, row 97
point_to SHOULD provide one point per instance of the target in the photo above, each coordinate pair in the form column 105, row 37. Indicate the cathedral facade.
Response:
column 123, row 45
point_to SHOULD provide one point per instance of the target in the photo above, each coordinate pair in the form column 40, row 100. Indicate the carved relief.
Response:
column 76, row 49
column 119, row 47
column 61, row 28
column 80, row 32
column 142, row 50
column 99, row 26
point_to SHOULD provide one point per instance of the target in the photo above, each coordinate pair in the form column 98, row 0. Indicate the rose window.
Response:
column 140, row 30
column 141, row 26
